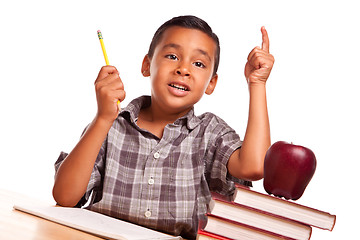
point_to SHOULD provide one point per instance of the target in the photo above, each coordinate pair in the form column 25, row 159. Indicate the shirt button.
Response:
column 148, row 214
column 156, row 155
column 151, row 181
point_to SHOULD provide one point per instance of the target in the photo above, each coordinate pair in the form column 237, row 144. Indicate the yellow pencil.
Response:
column 105, row 56
column 103, row 47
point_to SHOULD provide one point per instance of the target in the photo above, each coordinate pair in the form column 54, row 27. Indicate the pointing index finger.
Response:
column 265, row 40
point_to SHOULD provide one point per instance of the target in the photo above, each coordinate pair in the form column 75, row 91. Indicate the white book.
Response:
column 94, row 223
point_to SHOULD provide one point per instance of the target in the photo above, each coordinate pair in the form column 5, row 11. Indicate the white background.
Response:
column 50, row 56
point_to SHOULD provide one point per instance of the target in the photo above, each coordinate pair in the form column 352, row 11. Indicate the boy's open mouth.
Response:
column 182, row 88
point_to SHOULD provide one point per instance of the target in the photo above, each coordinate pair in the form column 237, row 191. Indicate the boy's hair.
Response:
column 190, row 22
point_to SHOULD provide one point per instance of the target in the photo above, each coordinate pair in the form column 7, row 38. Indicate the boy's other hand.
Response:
column 109, row 89
column 260, row 62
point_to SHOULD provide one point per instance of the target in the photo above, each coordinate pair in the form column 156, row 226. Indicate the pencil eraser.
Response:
column 98, row 31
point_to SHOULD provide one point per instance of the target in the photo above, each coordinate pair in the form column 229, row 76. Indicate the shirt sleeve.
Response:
column 95, row 185
column 220, row 149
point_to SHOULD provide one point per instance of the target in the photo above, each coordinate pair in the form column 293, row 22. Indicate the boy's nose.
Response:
column 183, row 71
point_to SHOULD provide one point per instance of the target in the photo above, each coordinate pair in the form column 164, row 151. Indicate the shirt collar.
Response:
column 189, row 119
column 133, row 108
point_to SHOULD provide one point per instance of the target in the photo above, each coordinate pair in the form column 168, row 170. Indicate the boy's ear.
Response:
column 212, row 84
column 145, row 67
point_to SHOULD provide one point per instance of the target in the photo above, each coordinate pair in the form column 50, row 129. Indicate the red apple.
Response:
column 288, row 169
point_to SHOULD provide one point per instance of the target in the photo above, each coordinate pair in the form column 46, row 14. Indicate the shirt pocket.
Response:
column 184, row 181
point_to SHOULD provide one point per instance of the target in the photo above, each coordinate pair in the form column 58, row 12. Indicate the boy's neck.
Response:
column 154, row 119
column 154, row 114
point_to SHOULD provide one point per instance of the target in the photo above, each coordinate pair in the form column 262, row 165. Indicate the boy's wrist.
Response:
column 102, row 122
column 257, row 85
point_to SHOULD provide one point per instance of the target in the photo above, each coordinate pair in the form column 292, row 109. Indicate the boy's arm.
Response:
column 248, row 161
column 74, row 173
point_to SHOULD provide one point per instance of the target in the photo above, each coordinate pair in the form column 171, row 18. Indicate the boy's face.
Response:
column 181, row 69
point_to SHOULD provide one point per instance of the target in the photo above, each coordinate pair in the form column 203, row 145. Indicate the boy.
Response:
column 155, row 162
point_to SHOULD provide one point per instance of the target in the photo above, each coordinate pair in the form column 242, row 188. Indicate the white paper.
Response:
column 95, row 223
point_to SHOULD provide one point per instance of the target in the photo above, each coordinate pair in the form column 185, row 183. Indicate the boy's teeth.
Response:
column 178, row 87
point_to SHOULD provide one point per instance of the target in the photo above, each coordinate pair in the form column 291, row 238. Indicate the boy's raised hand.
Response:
column 109, row 89
column 260, row 62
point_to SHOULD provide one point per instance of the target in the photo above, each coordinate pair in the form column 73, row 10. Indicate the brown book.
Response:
column 284, row 208
column 205, row 235
column 223, row 228
column 259, row 219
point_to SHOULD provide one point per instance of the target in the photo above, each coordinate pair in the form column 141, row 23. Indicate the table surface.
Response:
column 16, row 225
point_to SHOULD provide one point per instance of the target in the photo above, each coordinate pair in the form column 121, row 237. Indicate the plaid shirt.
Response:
column 164, row 183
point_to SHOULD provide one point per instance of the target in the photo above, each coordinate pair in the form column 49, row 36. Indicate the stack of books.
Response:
column 253, row 215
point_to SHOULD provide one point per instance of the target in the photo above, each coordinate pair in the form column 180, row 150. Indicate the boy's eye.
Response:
column 171, row 56
column 199, row 64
